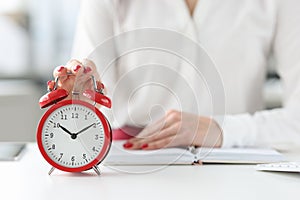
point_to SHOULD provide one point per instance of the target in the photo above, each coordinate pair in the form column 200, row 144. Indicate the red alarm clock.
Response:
column 74, row 135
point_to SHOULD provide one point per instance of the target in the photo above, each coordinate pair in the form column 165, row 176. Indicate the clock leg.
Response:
column 51, row 170
column 97, row 170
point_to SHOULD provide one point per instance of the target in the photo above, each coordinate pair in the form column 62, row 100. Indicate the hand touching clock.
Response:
column 75, row 76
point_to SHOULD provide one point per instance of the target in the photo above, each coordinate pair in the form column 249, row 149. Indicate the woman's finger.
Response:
column 156, row 127
column 172, row 117
column 71, row 63
column 166, row 132
column 77, row 69
column 90, row 68
column 61, row 72
column 75, row 77
column 136, row 143
column 173, row 140
column 79, row 75
column 159, row 144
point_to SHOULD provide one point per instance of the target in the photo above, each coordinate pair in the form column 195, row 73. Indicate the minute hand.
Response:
column 86, row 128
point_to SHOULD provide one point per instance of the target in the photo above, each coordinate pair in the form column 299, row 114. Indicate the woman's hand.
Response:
column 178, row 129
column 75, row 76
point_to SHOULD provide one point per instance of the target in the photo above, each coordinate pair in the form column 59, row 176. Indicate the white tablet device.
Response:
column 280, row 167
column 11, row 151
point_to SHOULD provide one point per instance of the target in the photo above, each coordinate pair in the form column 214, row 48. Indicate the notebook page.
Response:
column 238, row 155
column 120, row 156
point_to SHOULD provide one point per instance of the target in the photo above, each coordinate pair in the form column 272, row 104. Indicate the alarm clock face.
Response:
column 73, row 136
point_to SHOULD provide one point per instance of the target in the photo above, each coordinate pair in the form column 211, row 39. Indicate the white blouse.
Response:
column 238, row 35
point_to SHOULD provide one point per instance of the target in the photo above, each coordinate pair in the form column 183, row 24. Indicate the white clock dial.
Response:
column 73, row 136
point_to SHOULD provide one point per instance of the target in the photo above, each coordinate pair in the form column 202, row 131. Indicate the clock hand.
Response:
column 66, row 130
column 86, row 128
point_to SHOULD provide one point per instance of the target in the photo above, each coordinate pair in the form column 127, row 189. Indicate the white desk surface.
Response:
column 28, row 179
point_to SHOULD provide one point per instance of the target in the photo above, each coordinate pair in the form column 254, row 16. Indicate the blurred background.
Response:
column 36, row 36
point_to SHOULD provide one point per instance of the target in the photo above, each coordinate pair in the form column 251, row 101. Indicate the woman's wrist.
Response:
column 210, row 133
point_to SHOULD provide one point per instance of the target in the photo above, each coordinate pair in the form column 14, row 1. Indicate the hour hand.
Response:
column 66, row 130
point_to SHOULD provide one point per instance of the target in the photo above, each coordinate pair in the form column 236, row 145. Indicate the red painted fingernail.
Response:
column 76, row 68
column 61, row 68
column 50, row 85
column 127, row 145
column 100, row 85
column 49, row 82
column 144, row 146
column 87, row 70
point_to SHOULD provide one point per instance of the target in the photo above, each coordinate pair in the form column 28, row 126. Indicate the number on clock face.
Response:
column 73, row 136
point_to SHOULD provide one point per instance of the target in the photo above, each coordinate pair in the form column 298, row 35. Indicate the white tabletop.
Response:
column 29, row 179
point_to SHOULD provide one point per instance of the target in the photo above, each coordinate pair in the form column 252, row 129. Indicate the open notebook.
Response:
column 181, row 156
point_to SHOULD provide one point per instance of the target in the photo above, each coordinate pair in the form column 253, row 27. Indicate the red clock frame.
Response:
column 107, row 133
